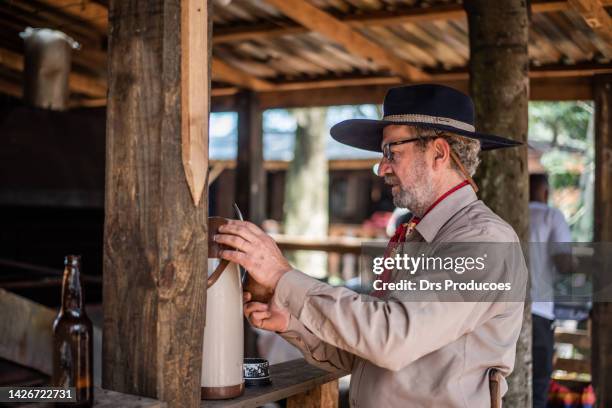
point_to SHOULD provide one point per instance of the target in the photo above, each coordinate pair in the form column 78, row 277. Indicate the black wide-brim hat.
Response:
column 432, row 106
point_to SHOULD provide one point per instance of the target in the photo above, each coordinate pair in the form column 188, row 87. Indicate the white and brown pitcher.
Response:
column 223, row 348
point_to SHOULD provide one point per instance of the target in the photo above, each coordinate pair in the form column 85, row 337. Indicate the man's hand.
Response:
column 265, row 316
column 255, row 251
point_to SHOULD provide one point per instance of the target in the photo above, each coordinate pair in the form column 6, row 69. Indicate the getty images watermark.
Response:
column 485, row 271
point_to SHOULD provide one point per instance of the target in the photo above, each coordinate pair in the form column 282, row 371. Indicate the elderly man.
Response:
column 400, row 353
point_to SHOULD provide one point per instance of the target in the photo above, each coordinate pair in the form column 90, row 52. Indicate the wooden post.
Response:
column 155, row 241
column 250, row 175
column 499, row 84
column 602, row 311
column 250, row 180
column 324, row 395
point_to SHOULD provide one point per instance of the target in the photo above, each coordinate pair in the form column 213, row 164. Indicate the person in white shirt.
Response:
column 547, row 229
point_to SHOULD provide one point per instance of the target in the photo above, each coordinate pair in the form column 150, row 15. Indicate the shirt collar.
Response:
column 429, row 226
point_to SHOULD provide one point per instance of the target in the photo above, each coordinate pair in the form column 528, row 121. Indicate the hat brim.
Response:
column 367, row 134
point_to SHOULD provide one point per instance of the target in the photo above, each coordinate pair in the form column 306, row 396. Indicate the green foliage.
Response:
column 563, row 123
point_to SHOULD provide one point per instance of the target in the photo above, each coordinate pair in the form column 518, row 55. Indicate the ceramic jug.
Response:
column 223, row 347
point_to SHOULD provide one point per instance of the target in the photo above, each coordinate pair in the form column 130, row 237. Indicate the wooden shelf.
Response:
column 301, row 383
column 288, row 379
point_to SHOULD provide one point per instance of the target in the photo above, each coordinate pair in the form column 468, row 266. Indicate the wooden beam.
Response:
column 234, row 76
column 93, row 13
column 155, row 239
column 11, row 88
column 281, row 165
column 596, row 17
column 321, row 22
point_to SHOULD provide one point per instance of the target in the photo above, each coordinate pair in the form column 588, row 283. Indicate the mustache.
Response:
column 391, row 180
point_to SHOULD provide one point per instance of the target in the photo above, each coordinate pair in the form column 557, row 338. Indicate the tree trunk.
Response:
column 499, row 84
column 155, row 238
column 306, row 189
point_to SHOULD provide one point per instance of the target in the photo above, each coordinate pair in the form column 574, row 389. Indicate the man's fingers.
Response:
column 244, row 229
column 246, row 296
column 233, row 241
column 235, row 256
column 255, row 307
column 257, row 318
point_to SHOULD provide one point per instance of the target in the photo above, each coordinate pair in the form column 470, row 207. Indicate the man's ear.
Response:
column 441, row 153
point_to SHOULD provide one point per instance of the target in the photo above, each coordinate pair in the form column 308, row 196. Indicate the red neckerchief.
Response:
column 405, row 229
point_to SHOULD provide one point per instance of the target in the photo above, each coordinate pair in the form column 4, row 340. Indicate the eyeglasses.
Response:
column 388, row 155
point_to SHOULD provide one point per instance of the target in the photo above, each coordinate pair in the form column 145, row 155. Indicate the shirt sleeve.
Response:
column 560, row 236
column 390, row 334
column 560, row 231
column 315, row 351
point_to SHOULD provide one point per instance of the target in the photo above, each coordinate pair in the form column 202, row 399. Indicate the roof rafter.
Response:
column 373, row 18
column 90, row 11
column 324, row 23
column 596, row 17
column 234, row 76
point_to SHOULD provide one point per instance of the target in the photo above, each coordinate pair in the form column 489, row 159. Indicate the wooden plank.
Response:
column 112, row 399
column 155, row 239
column 596, row 17
column 227, row 73
column 325, row 395
column 195, row 90
column 27, row 332
column 289, row 378
column 577, row 338
column 572, row 365
column 11, row 88
column 28, row 338
column 319, row 21
column 341, row 245
column 601, row 333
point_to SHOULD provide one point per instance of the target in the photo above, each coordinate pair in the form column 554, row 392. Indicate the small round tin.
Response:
column 256, row 372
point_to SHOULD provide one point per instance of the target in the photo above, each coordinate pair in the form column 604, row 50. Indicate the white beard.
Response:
column 420, row 195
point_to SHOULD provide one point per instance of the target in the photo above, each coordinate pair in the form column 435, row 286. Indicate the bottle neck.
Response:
column 72, row 291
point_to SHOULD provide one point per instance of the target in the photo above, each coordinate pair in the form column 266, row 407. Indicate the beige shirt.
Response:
column 411, row 354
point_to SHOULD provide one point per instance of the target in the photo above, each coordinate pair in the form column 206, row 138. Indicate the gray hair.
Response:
column 466, row 148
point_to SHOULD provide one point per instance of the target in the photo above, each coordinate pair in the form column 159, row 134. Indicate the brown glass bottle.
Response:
column 73, row 338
